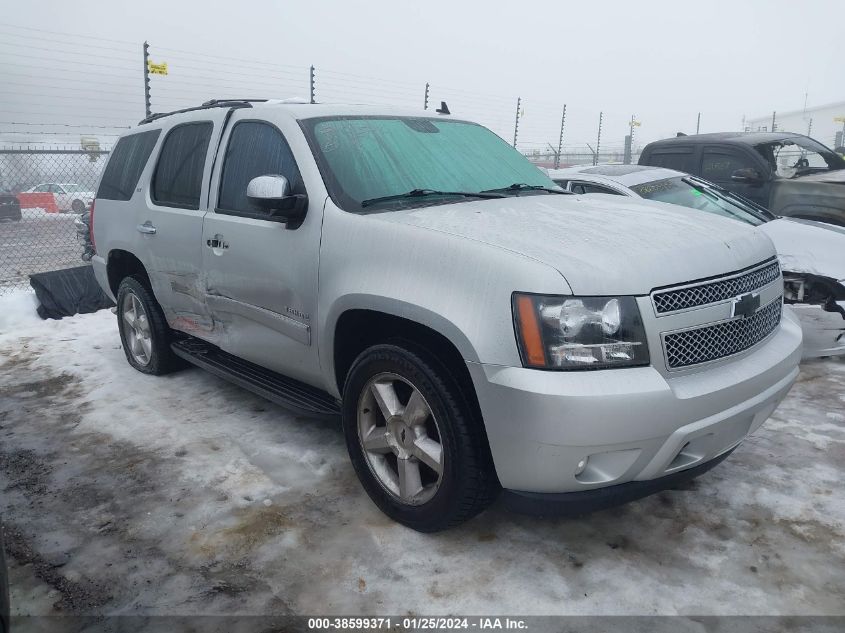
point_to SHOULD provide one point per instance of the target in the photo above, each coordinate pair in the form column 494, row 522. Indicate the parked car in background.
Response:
column 790, row 174
column 69, row 196
column 811, row 254
column 10, row 207
column 474, row 326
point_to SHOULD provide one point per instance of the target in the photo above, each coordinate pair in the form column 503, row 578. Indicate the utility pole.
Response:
column 698, row 123
column 425, row 103
column 560, row 139
column 516, row 120
column 810, row 127
column 147, row 107
column 598, row 141
column 629, row 142
column 774, row 121
column 311, row 84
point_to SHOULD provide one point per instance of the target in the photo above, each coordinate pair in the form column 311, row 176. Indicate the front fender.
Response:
column 458, row 287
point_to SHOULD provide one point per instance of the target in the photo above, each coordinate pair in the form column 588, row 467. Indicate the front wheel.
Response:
column 77, row 206
column 415, row 443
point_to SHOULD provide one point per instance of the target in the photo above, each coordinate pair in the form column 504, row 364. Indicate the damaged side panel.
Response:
column 810, row 198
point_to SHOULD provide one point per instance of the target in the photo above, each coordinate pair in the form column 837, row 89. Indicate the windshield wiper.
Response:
column 521, row 186
column 420, row 193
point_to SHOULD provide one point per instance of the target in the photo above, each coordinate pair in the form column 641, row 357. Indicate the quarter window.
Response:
column 586, row 187
column 254, row 149
column 125, row 165
column 177, row 181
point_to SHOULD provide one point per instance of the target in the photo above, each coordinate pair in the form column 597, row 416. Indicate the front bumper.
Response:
column 560, row 432
column 585, row 501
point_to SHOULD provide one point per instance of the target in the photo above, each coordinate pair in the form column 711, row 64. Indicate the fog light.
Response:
column 581, row 466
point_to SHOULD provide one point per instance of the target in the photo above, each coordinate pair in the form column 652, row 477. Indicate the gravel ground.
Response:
column 129, row 494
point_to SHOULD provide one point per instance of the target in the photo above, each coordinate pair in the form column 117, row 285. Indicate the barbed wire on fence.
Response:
column 64, row 92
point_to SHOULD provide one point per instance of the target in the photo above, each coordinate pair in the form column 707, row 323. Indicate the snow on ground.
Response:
column 124, row 493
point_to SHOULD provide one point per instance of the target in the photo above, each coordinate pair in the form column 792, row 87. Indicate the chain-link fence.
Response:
column 68, row 96
column 42, row 194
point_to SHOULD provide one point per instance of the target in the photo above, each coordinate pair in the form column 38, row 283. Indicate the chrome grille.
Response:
column 713, row 291
column 709, row 342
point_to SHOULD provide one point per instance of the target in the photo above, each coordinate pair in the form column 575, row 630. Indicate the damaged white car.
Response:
column 811, row 254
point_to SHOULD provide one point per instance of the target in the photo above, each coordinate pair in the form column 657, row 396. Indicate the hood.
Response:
column 602, row 245
column 805, row 246
column 837, row 176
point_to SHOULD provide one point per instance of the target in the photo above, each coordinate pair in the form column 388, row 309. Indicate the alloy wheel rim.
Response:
column 137, row 329
column 400, row 438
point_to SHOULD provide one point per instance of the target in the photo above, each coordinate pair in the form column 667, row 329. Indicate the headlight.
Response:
column 579, row 332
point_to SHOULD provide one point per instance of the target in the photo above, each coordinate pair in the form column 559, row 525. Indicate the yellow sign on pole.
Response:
column 157, row 69
column 839, row 119
column 635, row 124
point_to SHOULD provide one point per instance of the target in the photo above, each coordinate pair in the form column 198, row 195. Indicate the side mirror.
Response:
column 272, row 192
column 747, row 175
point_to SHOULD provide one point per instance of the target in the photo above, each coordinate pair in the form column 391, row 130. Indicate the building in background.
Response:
column 824, row 123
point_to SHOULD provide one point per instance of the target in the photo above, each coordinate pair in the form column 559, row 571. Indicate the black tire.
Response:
column 77, row 206
column 468, row 483
column 162, row 360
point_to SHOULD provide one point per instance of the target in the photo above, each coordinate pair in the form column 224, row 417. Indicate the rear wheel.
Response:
column 144, row 332
column 415, row 443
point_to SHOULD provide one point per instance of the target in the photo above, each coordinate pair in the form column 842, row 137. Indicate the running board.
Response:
column 277, row 388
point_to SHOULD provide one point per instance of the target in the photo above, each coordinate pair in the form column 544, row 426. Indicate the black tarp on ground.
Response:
column 67, row 292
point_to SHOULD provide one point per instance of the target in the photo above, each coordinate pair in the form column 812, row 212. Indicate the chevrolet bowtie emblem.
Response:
column 745, row 305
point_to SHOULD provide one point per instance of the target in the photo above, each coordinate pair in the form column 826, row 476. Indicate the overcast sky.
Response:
column 661, row 61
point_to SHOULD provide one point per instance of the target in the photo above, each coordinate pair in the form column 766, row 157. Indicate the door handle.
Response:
column 146, row 228
column 217, row 242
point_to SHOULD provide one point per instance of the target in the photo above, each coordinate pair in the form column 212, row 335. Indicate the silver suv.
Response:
column 475, row 326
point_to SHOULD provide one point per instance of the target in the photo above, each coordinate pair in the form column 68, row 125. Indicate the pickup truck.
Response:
column 791, row 175
column 475, row 327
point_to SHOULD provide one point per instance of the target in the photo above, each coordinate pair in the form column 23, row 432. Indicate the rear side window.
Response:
column 680, row 158
column 127, row 161
column 177, row 181
column 255, row 149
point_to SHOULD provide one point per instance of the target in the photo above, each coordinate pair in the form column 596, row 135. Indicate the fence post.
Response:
column 774, row 119
column 147, row 107
column 698, row 123
column 810, row 127
column 560, row 139
column 311, row 83
column 516, row 120
column 425, row 103
column 598, row 141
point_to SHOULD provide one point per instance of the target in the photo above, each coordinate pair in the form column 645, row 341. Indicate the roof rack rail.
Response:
column 213, row 103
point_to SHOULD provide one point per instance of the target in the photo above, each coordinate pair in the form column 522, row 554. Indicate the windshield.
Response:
column 368, row 158
column 697, row 194
column 800, row 155
column 71, row 187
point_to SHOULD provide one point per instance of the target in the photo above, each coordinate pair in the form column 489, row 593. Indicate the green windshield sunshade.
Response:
column 375, row 157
